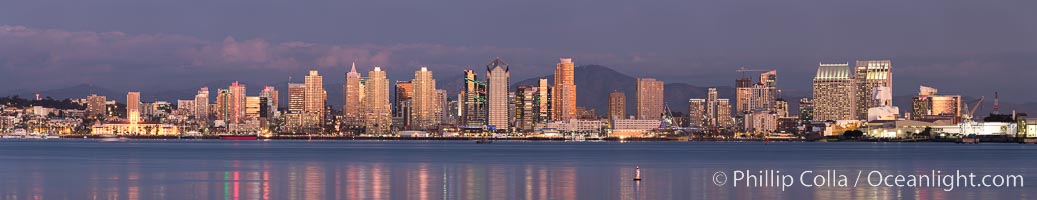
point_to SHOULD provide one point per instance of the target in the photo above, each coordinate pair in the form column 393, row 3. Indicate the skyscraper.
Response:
column 237, row 103
column 223, row 104
column 781, row 108
column 497, row 93
column 649, row 99
column 869, row 75
column 314, row 100
column 723, row 116
column 201, row 103
column 473, row 110
column 95, row 105
column 806, row 110
column 424, row 101
column 743, row 95
column 711, row 107
column 270, row 93
column 296, row 105
column 834, row 93
column 526, row 108
column 544, row 101
column 564, row 95
column 929, row 104
column 617, row 105
column 351, row 91
column 766, row 91
column 133, row 107
column 377, row 119
column 696, row 112
column 402, row 104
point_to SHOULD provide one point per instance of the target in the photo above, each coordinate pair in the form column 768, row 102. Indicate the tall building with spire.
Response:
column 649, row 98
column 314, row 100
column 376, row 113
column 617, row 105
column 834, row 97
column 351, row 92
column 497, row 85
column 473, row 98
column 564, row 95
column 869, row 75
column 424, row 101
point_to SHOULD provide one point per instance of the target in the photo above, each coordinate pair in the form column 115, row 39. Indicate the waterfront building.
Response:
column 834, row 96
column 649, row 99
column 423, row 102
column 497, row 84
column 473, row 110
column 351, row 92
column 723, row 116
column 376, row 109
column 869, row 75
column 133, row 107
column 296, row 103
column 931, row 105
column 314, row 98
column 95, row 105
column 564, row 91
column 634, row 127
column 617, row 105
column 761, row 122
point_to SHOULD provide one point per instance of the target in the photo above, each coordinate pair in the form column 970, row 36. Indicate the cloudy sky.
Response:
column 959, row 46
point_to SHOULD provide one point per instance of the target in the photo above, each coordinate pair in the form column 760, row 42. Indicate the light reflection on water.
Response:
column 84, row 169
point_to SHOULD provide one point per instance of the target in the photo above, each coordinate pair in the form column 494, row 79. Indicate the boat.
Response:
column 484, row 141
column 238, row 137
column 18, row 134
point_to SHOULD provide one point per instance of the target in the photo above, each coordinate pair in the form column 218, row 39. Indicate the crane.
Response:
column 968, row 126
column 743, row 70
column 970, row 113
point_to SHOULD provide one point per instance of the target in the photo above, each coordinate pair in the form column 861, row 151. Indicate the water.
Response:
column 210, row 169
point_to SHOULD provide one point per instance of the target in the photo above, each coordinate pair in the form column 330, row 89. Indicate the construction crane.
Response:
column 743, row 70
column 970, row 113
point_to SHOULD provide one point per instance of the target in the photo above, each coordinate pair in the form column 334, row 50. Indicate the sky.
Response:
column 963, row 47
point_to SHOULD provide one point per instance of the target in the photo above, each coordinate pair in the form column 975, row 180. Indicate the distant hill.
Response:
column 595, row 82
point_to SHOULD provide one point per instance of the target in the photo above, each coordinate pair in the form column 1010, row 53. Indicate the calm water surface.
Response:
column 209, row 169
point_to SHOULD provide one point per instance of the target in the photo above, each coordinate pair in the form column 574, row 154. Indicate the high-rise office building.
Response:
column 223, row 104
column 806, row 110
column 743, row 95
column 237, row 103
column 649, row 98
column 473, row 110
column 424, row 101
column 711, row 107
column 439, row 107
column 270, row 93
column 201, row 103
column 697, row 112
column 133, row 107
column 377, row 117
column 617, row 105
column 527, row 109
column 314, row 100
column 834, row 97
column 781, row 108
column 252, row 109
column 402, row 104
column 544, row 101
column 497, row 85
column 869, row 75
column 351, row 92
column 564, row 91
column 95, row 105
column 296, row 105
